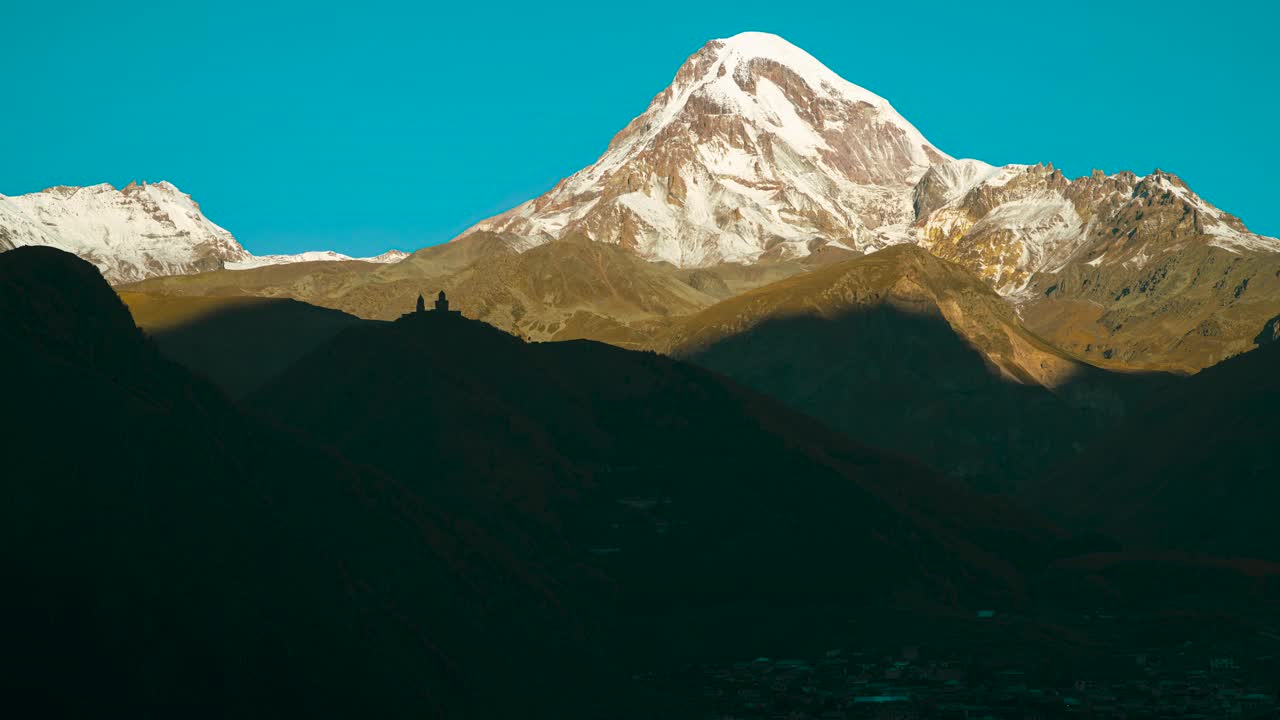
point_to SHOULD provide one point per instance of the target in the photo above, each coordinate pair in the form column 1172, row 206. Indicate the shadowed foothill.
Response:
column 441, row 518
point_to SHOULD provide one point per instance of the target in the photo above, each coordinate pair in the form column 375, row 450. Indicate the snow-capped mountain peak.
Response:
column 767, row 81
column 738, row 54
column 756, row 147
column 133, row 233
column 139, row 231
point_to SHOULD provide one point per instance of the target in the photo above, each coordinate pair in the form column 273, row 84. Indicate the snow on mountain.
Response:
column 755, row 150
column 1227, row 231
column 140, row 231
column 130, row 234
column 390, row 256
column 758, row 151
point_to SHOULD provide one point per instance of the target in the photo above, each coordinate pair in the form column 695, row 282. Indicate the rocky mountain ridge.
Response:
column 1017, row 222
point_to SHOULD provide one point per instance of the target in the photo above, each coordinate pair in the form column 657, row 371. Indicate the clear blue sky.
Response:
column 359, row 126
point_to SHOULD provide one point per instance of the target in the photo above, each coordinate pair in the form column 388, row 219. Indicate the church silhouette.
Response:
column 442, row 306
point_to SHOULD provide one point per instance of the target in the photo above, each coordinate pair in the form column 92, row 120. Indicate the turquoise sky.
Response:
column 359, row 126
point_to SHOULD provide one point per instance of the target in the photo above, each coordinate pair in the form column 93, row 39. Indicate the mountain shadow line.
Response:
column 237, row 342
column 908, row 382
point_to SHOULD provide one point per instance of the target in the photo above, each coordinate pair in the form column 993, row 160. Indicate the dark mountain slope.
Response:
column 908, row 352
column 696, row 497
column 166, row 556
column 1198, row 469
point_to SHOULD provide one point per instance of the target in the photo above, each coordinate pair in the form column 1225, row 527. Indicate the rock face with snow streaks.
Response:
column 1009, row 224
column 1122, row 270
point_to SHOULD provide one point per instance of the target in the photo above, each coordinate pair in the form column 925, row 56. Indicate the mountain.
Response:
column 758, row 156
column 909, row 352
column 756, row 150
column 137, row 232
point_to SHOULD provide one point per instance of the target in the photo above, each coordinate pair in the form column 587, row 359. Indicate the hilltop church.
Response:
column 442, row 306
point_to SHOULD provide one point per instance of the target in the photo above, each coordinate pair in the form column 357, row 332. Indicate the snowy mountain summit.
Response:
column 757, row 151
column 141, row 231
column 137, row 232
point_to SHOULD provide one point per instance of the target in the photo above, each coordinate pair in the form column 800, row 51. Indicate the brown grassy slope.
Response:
column 1189, row 307
column 368, row 290
column 567, row 289
column 539, row 289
